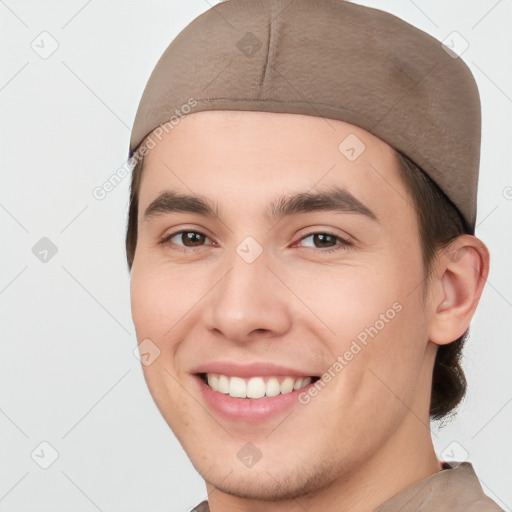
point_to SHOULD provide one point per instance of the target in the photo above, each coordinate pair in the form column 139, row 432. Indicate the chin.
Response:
column 270, row 482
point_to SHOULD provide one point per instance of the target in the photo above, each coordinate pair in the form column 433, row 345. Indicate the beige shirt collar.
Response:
column 456, row 489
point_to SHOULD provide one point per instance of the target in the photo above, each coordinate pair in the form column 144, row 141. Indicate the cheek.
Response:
column 372, row 316
column 157, row 306
column 349, row 299
column 144, row 297
column 156, row 300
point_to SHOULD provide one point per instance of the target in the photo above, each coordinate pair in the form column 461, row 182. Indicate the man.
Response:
column 302, row 254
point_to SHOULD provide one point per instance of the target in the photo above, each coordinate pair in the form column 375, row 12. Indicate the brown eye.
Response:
column 184, row 239
column 326, row 240
column 191, row 238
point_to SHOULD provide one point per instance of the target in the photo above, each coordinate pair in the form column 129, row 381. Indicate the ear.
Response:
column 457, row 282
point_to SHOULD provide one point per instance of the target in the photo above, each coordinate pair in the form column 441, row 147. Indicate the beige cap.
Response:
column 333, row 59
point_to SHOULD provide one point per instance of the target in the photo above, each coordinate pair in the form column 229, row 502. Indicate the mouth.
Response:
column 257, row 387
column 250, row 393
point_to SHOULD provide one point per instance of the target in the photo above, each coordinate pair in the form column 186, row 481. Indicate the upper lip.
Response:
column 255, row 369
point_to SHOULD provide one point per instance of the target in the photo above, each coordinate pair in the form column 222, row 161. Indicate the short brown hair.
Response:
column 439, row 223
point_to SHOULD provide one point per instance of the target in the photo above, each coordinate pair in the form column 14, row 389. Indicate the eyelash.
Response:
column 343, row 246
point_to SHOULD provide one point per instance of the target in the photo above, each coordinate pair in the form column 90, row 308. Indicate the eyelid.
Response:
column 335, row 232
column 165, row 239
column 344, row 244
column 344, row 241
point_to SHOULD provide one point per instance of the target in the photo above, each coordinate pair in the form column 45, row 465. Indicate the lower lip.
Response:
column 250, row 410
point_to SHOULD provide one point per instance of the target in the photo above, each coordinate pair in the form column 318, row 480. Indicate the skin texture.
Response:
column 366, row 435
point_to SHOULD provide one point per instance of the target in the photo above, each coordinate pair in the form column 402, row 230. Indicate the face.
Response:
column 265, row 293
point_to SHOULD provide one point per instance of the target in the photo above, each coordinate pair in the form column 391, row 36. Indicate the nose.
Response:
column 250, row 301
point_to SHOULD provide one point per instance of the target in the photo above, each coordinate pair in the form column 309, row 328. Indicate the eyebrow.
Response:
column 334, row 199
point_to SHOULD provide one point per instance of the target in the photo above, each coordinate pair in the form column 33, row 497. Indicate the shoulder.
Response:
column 466, row 482
column 454, row 489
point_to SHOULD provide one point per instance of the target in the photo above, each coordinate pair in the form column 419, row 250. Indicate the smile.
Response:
column 255, row 387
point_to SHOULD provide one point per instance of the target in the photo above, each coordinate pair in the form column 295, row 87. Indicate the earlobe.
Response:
column 459, row 278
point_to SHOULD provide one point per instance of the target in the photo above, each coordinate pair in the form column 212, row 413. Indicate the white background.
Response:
column 68, row 375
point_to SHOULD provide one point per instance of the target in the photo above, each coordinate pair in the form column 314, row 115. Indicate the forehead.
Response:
column 244, row 158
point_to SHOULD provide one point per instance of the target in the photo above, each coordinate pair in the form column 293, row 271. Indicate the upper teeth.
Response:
column 255, row 387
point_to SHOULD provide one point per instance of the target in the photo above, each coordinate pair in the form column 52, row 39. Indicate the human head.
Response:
column 433, row 256
column 202, row 306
